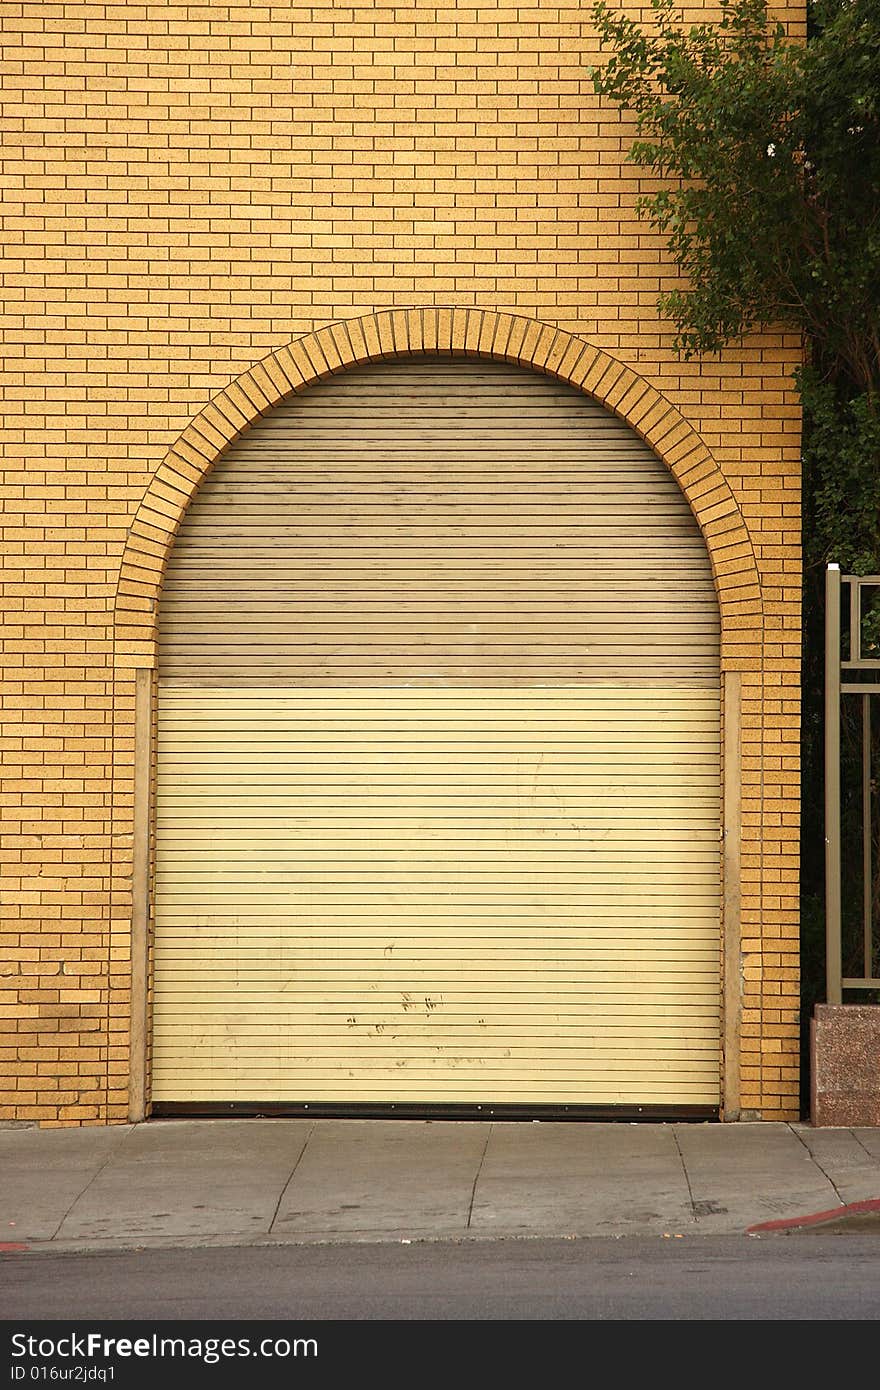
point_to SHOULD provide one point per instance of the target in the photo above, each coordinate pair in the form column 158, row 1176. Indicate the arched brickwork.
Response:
column 312, row 358
column 409, row 332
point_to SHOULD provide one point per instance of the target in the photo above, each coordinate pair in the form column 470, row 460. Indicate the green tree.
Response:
column 770, row 153
column 767, row 151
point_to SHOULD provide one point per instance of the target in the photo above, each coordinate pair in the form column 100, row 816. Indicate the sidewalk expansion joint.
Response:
column 291, row 1176
column 687, row 1176
column 823, row 1171
column 94, row 1178
column 477, row 1178
column 862, row 1145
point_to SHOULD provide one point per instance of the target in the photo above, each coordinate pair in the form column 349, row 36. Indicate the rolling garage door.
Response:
column 438, row 758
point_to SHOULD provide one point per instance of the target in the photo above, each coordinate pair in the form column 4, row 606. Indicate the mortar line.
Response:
column 477, row 1177
column 687, row 1176
column 94, row 1178
column 290, row 1180
column 814, row 1159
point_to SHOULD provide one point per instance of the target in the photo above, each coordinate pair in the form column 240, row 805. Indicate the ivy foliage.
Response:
column 842, row 476
column 769, row 155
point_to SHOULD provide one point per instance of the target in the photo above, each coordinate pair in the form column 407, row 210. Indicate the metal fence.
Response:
column 852, row 870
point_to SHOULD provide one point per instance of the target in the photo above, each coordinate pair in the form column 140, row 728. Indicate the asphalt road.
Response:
column 803, row 1276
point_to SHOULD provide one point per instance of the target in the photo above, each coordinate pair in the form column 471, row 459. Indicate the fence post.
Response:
column 833, row 965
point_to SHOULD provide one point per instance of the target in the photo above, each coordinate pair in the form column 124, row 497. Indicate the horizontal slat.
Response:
column 620, row 701
column 428, row 1091
column 363, row 867
column 673, row 909
column 386, row 1087
column 620, row 1036
column 441, row 831
column 436, row 977
column 489, row 1056
column 290, row 579
column 362, row 945
column 267, row 827
column 619, row 1026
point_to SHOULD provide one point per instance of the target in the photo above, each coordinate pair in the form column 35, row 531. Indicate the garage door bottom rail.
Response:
column 415, row 1110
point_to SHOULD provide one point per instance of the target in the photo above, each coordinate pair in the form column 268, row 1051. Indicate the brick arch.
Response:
column 410, row 332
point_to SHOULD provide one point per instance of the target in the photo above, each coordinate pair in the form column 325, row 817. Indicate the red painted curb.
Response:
column 7, row 1245
column 816, row 1218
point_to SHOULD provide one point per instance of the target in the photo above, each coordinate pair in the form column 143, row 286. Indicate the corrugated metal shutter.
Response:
column 438, row 778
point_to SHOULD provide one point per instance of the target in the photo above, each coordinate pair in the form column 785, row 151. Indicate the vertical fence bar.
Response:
column 867, row 866
column 832, row 786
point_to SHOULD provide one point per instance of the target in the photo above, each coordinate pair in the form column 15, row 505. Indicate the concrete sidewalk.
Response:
column 231, row 1182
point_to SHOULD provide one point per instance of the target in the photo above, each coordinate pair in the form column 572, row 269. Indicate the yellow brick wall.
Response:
column 189, row 188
